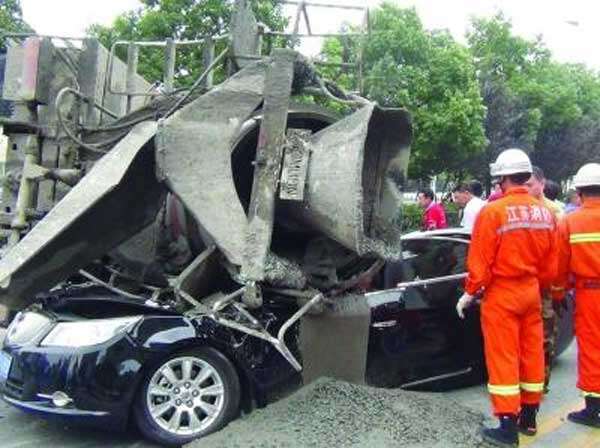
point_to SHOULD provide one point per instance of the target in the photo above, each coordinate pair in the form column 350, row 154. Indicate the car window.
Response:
column 430, row 258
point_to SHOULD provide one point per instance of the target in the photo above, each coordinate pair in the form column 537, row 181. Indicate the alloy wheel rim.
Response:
column 185, row 395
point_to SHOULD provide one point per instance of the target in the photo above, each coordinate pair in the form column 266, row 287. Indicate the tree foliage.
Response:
column 502, row 86
column 11, row 19
column 431, row 75
column 533, row 102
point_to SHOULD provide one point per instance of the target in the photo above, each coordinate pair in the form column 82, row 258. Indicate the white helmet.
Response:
column 511, row 161
column 587, row 176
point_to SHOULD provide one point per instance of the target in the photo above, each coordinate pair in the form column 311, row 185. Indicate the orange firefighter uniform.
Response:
column 579, row 267
column 512, row 254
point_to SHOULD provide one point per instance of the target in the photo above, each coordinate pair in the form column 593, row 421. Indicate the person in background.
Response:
column 552, row 191
column 468, row 197
column 461, row 197
column 434, row 216
column 476, row 188
column 496, row 192
column 573, row 202
column 536, row 186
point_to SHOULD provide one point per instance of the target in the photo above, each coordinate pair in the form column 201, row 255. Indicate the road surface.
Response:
column 23, row 431
column 554, row 430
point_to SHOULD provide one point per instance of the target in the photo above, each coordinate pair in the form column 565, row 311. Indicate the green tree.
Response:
column 532, row 101
column 503, row 61
column 11, row 20
column 182, row 20
column 571, row 111
column 428, row 73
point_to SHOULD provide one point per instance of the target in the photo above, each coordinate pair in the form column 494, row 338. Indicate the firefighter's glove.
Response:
column 463, row 303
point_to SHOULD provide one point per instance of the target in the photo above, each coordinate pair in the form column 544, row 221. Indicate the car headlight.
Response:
column 88, row 332
column 26, row 327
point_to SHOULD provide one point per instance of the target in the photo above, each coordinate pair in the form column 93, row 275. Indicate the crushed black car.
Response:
column 93, row 357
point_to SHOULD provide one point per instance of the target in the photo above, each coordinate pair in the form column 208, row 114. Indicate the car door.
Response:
column 421, row 340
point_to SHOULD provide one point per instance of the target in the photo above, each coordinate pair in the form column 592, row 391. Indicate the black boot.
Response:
column 527, row 419
column 507, row 434
column 590, row 415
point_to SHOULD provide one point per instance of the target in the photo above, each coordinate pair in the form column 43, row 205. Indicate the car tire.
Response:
column 166, row 385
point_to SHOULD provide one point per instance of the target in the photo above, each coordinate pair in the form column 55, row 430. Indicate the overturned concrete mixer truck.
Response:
column 178, row 255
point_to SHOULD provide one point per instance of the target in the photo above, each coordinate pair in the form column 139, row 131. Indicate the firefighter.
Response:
column 512, row 251
column 579, row 267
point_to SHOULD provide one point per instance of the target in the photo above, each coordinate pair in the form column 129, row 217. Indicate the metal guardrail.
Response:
column 4, row 33
column 170, row 45
column 208, row 43
column 303, row 14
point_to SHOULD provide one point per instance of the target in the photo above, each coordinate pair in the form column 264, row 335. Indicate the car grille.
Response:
column 15, row 385
column 14, row 388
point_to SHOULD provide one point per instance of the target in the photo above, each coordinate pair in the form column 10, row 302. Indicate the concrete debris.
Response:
column 331, row 413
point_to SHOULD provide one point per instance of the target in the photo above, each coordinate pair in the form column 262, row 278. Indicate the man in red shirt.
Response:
column 434, row 216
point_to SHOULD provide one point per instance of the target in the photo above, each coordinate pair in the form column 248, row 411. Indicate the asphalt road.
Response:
column 554, row 430
column 23, row 431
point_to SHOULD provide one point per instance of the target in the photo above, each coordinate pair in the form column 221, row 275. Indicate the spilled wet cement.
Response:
column 331, row 413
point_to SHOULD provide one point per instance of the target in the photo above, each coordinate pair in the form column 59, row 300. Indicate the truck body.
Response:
column 201, row 198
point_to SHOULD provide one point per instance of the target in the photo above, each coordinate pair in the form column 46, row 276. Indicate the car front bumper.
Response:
column 46, row 409
column 99, row 381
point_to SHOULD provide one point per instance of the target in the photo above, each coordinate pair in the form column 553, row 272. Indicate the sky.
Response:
column 569, row 28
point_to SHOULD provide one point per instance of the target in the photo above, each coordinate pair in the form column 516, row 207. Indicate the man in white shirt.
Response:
column 468, row 197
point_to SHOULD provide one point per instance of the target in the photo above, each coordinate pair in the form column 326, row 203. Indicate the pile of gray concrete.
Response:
column 331, row 413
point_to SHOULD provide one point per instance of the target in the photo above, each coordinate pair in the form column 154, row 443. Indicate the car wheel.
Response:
column 189, row 395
